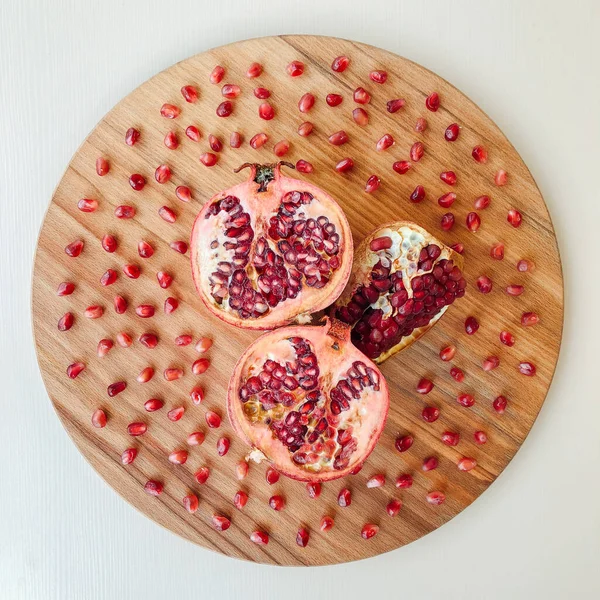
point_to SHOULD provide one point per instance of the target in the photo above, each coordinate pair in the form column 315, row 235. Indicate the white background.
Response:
column 533, row 66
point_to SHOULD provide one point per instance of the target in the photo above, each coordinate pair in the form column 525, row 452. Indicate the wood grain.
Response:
column 75, row 400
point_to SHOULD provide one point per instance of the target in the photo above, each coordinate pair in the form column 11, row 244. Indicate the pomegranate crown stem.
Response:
column 264, row 174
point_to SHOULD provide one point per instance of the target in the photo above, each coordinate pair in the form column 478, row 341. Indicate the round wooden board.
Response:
column 75, row 400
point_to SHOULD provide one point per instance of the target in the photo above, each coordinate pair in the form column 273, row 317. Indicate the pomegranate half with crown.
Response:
column 308, row 401
column 403, row 280
column 270, row 251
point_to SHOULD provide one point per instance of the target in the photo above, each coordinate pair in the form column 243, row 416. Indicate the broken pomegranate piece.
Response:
column 308, row 401
column 402, row 282
column 270, row 250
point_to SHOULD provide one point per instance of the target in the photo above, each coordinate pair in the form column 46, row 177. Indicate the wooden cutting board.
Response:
column 76, row 399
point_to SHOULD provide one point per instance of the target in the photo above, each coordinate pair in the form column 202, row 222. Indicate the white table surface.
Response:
column 533, row 66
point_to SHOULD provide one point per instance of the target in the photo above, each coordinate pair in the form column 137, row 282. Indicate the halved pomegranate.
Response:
column 403, row 280
column 270, row 251
column 308, row 401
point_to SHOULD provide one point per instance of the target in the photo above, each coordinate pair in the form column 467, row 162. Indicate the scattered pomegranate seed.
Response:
column 276, row 503
column 378, row 76
column 514, row 290
column 497, row 251
column 144, row 311
column 435, row 498
column 202, row 475
column 241, row 469
column 393, row 507
column 306, row 102
column 471, row 325
column 338, row 138
column 344, row 498
column 305, row 129
column 401, row 166
column 525, row 265
column 213, row 420
column 458, row 247
column 124, row 339
column 395, row 105
column 116, row 388
column 145, row 250
column 196, row 438
column 295, row 68
column 457, row 374
column 215, row 143
column 224, row 109
column 74, row 249
column 376, row 481
column 99, row 418
column 507, row 338
column 418, row 194
column 124, row 212
column 169, row 111
column 281, row 148
column 230, row 91
column 262, row 93
column 200, row 366
column 87, row 205
column 220, row 523
column 208, row 159
column 240, row 499
column 403, row 443
column 164, row 279
column 346, row 164
column 465, row 400
column 197, row 395
column 385, row 142
column 145, row 375
column 93, row 312
column 120, row 305
column 501, row 178
column 490, row 363
column 451, row 133
column 430, row 463
column 66, row 322
column 473, row 222
column 162, row 174
column 175, row 414
column 450, row 438
column 137, row 429
column 447, row 221
column 432, row 102
column 203, row 345
column 340, row 64
column 66, row 288
column 235, row 139
column 334, row 99
column 170, row 305
column 128, row 456
column 529, row 318
column 154, row 488
column 260, row 537
column 149, row 340
column 173, row 373
column 104, row 347
column 313, row 489
column 272, row 476
column 424, row 386
column 499, row 404
column 132, row 271
column 448, row 177
column 527, row 368
column 480, row 437
column 514, row 217
column 484, row 284
column 193, row 133
column 153, row 405
column 132, row 135
column 303, row 166
column 416, row 152
column 189, row 93
column 360, row 116
column 259, row 140
column 361, row 96
column 480, row 154
column 420, row 125
column 326, row 523
column 372, row 184
column 137, row 181
column 191, row 503
column 404, row 481
column 430, row 414
column 482, row 202
column 447, row 353
column 466, row 464
column 266, row 111
column 302, row 537
column 369, row 530
column 447, row 200
column 171, row 141
column 217, row 74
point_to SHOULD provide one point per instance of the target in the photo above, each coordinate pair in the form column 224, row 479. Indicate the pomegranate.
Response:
column 308, row 401
column 270, row 250
column 402, row 282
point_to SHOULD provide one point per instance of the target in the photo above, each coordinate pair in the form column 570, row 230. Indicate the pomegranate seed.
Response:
column 418, row 194
column 334, row 99
column 393, row 507
column 124, row 212
column 372, row 184
column 259, row 140
column 480, row 154
column 132, row 271
column 378, row 76
column 305, row 129
column 457, row 374
column 124, row 339
column 223, row 445
column 473, row 222
column 137, row 181
column 430, row 414
column 120, row 305
column 193, row 133
column 276, row 503
column 514, row 290
column 424, row 386
column 189, row 93
column 404, row 481
column 295, row 68
column 241, row 469
column 448, row 177
column 173, row 373
column 178, row 457
column 447, row 200
column 128, row 456
column 420, row 125
column 230, row 91
column 175, row 414
column 203, row 345
column 465, row 400
column 281, row 148
column 466, row 464
column 395, row 105
column 344, row 498
column 313, row 489
column 145, row 375
column 94, row 312
column 99, row 418
column 435, row 498
column 501, row 178
column 74, row 249
column 303, row 166
column 403, row 443
column 145, row 250
column 260, row 537
column 490, row 363
column 306, row 103
column 529, row 318
column 340, row 64
column 171, row 141
column 527, row 368
column 497, row 251
column 220, row 523
column 385, row 142
column 416, row 152
column 360, row 116
column 235, row 139
column 380, row 243
column 132, row 135
column 525, row 265
column 171, row 305
column 217, row 74
column 458, row 247
column 197, row 395
column 369, row 530
column 302, row 537
column 272, row 476
column 514, row 217
column 144, row 311
column 507, row 338
column 66, row 322
column 153, row 405
column 169, row 111
column 484, row 284
column 137, row 429
column 202, row 475
column 447, row 353
column 361, row 96
column 215, row 143
column 162, row 174
column 471, row 325
column 66, row 288
column 167, row 214
column 482, row 202
column 338, row 138
column 451, row 133
column 104, row 347
column 254, row 70
column 200, row 366
column 196, row 438
column 430, row 463
column 401, row 166
column 262, row 93
column 346, row 164
column 447, row 221
column 266, row 111
column 149, row 340
column 326, row 523
column 450, row 438
column 213, row 420
column 208, row 159
column 87, row 205
column 480, row 437
column 154, row 488
column 432, row 102
column 376, row 481
column 499, row 404
column 240, row 499
column 191, row 503
column 116, row 388
column 164, row 279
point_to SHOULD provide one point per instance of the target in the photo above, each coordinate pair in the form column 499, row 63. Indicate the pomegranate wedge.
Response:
column 402, row 282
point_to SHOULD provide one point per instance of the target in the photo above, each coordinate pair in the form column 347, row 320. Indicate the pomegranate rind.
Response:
column 332, row 346
column 365, row 259
column 266, row 203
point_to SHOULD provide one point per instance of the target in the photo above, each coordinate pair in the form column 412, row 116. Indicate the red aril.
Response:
column 153, row 404
column 241, row 470
column 507, row 338
column 173, row 373
column 344, row 498
column 418, row 194
column 203, row 345
column 220, row 523
column 175, row 414
column 132, row 135
column 424, row 386
column 448, row 177
column 235, row 139
column 303, row 166
column 393, row 507
column 179, row 246
column 137, row 181
column 305, row 129
column 501, row 178
column 217, row 74
column 451, row 133
column 116, row 388
column 154, row 488
column 529, row 318
column 240, row 499
column 99, row 418
column 306, row 102
column 471, row 325
column 376, row 481
column 149, row 340
column 162, row 174
column 189, row 93
column 403, row 443
column 230, row 90
column 170, row 305
column 490, row 363
column 500, row 404
column 450, row 438
column 334, row 99
column 497, row 251
column 326, row 523
column 262, row 93
column 473, row 222
column 361, row 96
column 137, row 429
column 193, row 133
column 87, row 205
column 430, row 463
column 260, row 537
column 208, row 159
column 178, row 457
column 295, row 68
column 525, row 265
column 372, row 184
column 258, row 141
column 213, row 420
column 169, row 111
column 527, row 368
column 277, row 502
column 281, row 148
column 224, row 109
column 466, row 464
column 466, row 400
column 484, row 284
column 480, row 437
column 420, row 125
column 120, row 305
column 482, row 202
column 514, row 217
column 66, row 322
column 197, row 395
column 447, row 353
column 432, row 102
column 200, row 366
column 93, row 312
column 266, row 111
column 369, row 530
column 132, row 271
column 457, row 374
column 447, row 200
column 436, row 498
column 401, row 166
column 202, row 475
column 378, row 76
column 430, row 414
column 340, row 64
column 66, row 288
column 447, row 221
column 128, row 456
column 338, row 138
column 458, row 247
column 404, row 481
column 385, row 142
column 74, row 249
column 416, row 152
column 479, row 154
column 164, row 279
column 104, row 347
column 514, row 290
column 216, row 145
column 360, row 116
column 271, row 475
column 254, row 70
column 395, row 105
column 190, row 502
column 346, row 164
column 302, row 537
column 314, row 489
column 171, row 141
